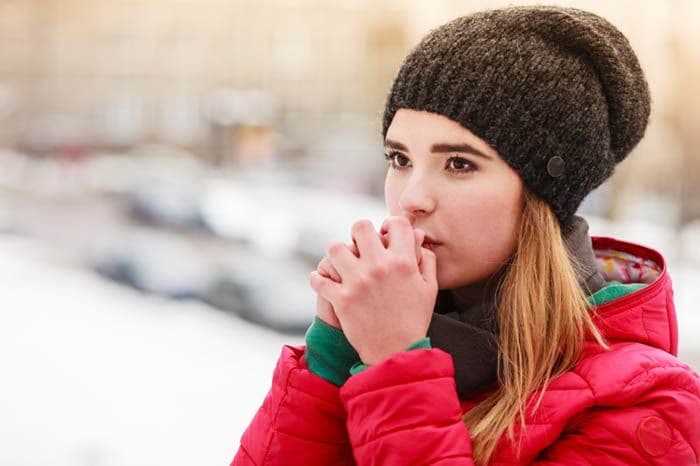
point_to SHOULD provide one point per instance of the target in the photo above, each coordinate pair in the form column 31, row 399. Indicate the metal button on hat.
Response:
column 555, row 166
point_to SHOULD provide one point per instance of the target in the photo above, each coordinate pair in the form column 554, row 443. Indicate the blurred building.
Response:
column 280, row 79
column 128, row 72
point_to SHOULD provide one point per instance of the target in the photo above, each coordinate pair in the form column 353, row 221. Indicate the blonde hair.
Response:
column 543, row 316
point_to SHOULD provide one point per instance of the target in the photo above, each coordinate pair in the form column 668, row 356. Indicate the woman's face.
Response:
column 469, row 203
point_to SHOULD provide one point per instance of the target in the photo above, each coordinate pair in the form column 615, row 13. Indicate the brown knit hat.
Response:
column 557, row 92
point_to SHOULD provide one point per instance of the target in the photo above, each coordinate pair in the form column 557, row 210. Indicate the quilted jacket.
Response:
column 633, row 404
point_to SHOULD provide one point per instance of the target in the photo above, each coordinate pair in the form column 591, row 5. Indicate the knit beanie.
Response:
column 557, row 92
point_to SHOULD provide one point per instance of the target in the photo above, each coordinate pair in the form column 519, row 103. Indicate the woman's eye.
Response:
column 460, row 165
column 395, row 160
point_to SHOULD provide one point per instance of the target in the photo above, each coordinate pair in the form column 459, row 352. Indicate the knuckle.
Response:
column 345, row 297
column 403, row 265
column 379, row 271
column 362, row 284
column 323, row 270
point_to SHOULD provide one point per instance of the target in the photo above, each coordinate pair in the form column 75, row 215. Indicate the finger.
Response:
column 385, row 239
column 325, row 268
column 400, row 234
column 341, row 257
column 420, row 236
column 324, row 287
column 325, row 312
column 353, row 248
column 428, row 266
column 367, row 240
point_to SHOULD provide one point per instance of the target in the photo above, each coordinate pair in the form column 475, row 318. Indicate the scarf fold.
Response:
column 464, row 323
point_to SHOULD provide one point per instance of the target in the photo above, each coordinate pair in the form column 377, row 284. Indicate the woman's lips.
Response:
column 430, row 245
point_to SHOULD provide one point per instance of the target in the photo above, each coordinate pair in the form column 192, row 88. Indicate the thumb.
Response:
column 428, row 265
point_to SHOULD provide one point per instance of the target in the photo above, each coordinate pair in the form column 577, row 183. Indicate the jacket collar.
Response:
column 647, row 315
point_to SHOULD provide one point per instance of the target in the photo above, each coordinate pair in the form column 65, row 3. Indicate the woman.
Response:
column 482, row 324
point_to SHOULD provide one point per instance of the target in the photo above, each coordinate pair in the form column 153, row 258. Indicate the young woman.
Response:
column 482, row 324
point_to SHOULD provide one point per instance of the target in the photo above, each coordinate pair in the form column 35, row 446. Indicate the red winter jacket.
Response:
column 634, row 404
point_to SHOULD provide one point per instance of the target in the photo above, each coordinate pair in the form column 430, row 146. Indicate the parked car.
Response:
column 158, row 263
column 270, row 291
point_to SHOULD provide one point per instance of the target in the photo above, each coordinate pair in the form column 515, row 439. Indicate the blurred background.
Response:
column 171, row 171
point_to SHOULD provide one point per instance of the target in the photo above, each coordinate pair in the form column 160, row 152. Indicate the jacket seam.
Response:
column 313, row 395
column 408, row 427
column 273, row 427
column 411, row 382
column 443, row 458
column 588, row 384
column 633, row 378
column 245, row 452
column 642, row 310
column 648, row 370
column 325, row 442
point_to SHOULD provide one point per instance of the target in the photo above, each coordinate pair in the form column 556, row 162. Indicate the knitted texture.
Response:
column 558, row 92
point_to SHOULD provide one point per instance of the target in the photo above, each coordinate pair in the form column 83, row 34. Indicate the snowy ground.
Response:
column 96, row 374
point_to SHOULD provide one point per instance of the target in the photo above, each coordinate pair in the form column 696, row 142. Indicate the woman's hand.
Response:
column 324, row 309
column 385, row 298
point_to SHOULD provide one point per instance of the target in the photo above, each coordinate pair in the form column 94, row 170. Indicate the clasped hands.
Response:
column 381, row 290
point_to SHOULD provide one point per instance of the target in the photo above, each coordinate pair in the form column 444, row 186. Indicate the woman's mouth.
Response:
column 430, row 245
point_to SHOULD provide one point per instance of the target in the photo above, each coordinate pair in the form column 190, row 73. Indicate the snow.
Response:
column 97, row 374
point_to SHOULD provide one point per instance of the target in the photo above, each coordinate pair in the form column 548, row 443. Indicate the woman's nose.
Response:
column 416, row 199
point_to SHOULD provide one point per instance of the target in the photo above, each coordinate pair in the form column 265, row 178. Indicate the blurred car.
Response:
column 285, row 219
column 165, row 185
column 271, row 292
column 166, row 203
column 157, row 263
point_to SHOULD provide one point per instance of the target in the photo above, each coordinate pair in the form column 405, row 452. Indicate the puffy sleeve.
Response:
column 405, row 410
column 301, row 420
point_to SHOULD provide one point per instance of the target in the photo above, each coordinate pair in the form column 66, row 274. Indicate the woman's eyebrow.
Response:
column 440, row 148
column 463, row 147
column 388, row 143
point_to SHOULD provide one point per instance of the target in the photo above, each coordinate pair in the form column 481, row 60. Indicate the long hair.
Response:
column 543, row 316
